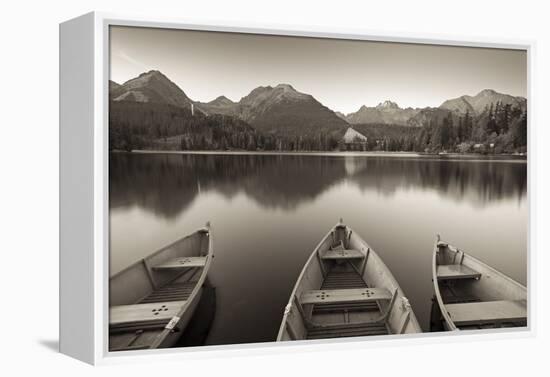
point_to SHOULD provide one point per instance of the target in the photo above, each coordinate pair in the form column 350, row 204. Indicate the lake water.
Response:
column 268, row 212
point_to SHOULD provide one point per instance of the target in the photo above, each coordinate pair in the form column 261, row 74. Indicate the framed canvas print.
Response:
column 230, row 188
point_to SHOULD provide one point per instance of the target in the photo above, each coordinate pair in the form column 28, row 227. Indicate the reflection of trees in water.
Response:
column 287, row 181
column 159, row 185
column 476, row 182
column 272, row 180
column 167, row 184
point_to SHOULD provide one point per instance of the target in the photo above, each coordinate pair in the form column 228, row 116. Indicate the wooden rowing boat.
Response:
column 152, row 301
column 346, row 290
column 472, row 295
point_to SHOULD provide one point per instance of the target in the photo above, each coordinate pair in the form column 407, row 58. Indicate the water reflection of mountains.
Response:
column 167, row 184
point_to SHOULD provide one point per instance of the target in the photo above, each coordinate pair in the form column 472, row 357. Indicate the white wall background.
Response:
column 29, row 186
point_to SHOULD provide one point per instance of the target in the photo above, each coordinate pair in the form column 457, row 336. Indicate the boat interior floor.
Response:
column 170, row 292
column 452, row 293
column 343, row 319
column 178, row 290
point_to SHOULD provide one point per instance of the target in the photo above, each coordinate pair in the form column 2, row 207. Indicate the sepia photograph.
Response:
column 272, row 188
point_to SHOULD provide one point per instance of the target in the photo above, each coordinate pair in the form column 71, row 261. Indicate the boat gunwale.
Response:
column 412, row 316
column 467, row 256
column 198, row 286
column 438, row 297
column 299, row 280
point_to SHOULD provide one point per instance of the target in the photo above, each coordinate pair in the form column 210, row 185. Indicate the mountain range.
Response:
column 386, row 112
column 389, row 112
column 478, row 103
column 221, row 105
column 279, row 109
column 283, row 110
column 151, row 87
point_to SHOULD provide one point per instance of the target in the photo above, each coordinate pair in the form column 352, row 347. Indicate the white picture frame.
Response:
column 84, row 230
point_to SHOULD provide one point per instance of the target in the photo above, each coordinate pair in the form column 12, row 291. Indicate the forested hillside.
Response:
column 498, row 129
column 138, row 125
column 135, row 125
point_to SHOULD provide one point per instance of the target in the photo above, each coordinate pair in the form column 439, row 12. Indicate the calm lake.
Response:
column 268, row 212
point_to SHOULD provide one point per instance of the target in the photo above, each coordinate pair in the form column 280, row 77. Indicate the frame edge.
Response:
column 76, row 188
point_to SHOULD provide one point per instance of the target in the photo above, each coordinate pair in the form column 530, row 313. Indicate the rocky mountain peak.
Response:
column 286, row 87
column 482, row 100
column 487, row 92
column 153, row 87
column 387, row 105
column 221, row 100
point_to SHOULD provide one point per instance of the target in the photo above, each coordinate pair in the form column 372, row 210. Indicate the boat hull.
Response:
column 343, row 273
column 170, row 281
column 469, row 294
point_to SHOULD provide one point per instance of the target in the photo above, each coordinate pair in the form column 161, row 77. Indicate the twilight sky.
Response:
column 341, row 74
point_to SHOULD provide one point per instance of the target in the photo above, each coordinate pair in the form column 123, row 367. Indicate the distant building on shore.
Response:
column 352, row 137
column 353, row 141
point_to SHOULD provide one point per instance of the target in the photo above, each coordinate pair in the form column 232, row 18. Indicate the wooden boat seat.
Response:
column 158, row 311
column 182, row 262
column 344, row 295
column 455, row 272
column 342, row 254
column 487, row 312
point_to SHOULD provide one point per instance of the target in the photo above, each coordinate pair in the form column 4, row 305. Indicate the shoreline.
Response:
column 441, row 157
column 278, row 153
